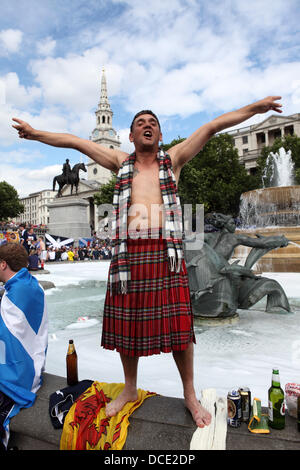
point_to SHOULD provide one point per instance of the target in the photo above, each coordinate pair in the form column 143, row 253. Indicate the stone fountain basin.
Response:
column 273, row 211
column 276, row 206
column 282, row 196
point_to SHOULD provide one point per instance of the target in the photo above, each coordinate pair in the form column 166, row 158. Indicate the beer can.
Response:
column 234, row 408
column 245, row 403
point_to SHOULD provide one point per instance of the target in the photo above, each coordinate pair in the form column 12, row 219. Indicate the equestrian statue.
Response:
column 68, row 176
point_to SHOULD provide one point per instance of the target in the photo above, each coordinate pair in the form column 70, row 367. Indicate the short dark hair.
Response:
column 144, row 111
column 15, row 256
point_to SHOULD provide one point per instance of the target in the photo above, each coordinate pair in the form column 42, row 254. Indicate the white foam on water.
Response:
column 72, row 273
column 82, row 324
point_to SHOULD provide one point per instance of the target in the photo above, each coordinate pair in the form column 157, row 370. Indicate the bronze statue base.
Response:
column 216, row 321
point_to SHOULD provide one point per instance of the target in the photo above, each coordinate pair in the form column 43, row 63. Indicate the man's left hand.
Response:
column 267, row 104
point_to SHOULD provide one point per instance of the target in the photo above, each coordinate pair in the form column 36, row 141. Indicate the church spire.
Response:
column 104, row 113
column 104, row 103
column 103, row 134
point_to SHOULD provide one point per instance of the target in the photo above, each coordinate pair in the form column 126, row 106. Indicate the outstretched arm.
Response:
column 186, row 150
column 263, row 242
column 106, row 157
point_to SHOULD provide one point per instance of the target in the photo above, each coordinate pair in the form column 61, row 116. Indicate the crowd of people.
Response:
column 97, row 251
column 40, row 251
column 19, row 255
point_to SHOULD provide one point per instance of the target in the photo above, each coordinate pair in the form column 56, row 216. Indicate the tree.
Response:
column 106, row 192
column 215, row 177
column 10, row 205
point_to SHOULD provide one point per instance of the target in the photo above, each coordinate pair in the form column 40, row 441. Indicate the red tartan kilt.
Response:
column 156, row 315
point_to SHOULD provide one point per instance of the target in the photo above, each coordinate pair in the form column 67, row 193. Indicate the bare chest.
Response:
column 145, row 185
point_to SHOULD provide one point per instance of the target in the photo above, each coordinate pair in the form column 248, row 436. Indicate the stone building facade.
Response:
column 36, row 210
column 250, row 140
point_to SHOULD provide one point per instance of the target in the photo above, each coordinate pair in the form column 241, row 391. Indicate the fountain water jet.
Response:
column 279, row 168
column 274, row 210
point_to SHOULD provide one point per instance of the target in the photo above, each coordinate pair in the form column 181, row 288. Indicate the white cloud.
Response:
column 2, row 92
column 10, row 41
column 45, row 173
column 20, row 156
column 258, row 13
column 73, row 81
column 207, row 58
column 8, row 135
column 126, row 145
column 48, row 119
column 17, row 94
column 180, row 58
column 46, row 46
column 82, row 124
column 296, row 92
column 177, row 57
column 29, row 181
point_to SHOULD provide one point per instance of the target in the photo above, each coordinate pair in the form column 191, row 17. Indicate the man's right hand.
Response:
column 24, row 129
column 108, row 158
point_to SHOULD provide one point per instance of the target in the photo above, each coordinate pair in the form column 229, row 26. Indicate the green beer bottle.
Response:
column 276, row 403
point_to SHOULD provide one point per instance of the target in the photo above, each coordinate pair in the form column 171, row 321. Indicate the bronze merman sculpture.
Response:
column 219, row 288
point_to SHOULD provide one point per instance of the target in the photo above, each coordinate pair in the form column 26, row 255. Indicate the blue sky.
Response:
column 187, row 60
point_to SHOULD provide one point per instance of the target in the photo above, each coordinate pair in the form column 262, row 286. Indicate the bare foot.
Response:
column 200, row 415
column 127, row 395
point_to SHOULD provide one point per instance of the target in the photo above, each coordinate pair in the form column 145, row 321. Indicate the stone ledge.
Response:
column 161, row 423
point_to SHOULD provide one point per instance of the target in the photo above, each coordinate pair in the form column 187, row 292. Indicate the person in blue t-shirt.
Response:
column 23, row 335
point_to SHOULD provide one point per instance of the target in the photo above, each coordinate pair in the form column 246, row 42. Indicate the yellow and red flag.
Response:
column 86, row 426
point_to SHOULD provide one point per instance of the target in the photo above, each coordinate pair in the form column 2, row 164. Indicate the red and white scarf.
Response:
column 172, row 231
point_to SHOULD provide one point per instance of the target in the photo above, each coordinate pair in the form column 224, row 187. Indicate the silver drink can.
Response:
column 234, row 406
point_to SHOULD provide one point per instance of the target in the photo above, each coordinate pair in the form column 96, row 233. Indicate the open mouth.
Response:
column 148, row 134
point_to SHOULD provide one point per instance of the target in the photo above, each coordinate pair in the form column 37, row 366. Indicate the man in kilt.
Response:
column 147, row 308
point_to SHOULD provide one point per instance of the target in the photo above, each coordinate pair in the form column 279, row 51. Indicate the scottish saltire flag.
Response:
column 23, row 339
